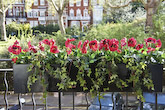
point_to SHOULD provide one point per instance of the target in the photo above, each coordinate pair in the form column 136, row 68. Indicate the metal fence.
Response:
column 7, row 70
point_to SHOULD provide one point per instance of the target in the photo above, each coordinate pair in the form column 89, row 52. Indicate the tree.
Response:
column 59, row 6
column 4, row 6
column 150, row 6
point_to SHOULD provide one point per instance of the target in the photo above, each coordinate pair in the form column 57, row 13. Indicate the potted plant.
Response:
column 108, row 65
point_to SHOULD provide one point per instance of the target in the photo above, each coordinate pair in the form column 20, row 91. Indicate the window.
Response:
column 78, row 13
column 78, row 2
column 35, row 14
column 17, row 11
column 94, row 2
column 42, row 22
column 71, row 3
column 42, row 2
column 29, row 14
column 75, row 23
column 85, row 2
column 85, row 13
column 21, row 12
column 71, row 13
column 42, row 13
column 10, row 12
column 35, row 23
column 35, row 2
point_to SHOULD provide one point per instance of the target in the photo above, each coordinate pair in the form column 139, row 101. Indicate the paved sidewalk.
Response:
column 52, row 101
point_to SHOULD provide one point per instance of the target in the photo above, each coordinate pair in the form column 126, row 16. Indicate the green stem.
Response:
column 100, row 100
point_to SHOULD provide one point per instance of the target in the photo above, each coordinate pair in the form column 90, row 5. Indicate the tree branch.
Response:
column 7, row 7
column 1, row 11
column 119, row 6
column 64, row 4
column 143, row 2
column 55, row 5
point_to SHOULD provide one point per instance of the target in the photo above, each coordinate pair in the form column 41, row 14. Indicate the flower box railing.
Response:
column 5, row 71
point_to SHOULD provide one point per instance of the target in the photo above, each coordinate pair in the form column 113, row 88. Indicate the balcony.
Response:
column 43, row 18
column 52, row 18
column 79, row 18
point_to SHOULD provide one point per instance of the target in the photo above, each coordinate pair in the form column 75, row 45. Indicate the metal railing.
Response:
column 59, row 94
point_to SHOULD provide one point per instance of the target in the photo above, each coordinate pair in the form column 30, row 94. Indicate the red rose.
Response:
column 79, row 45
column 139, row 46
column 54, row 49
column 123, row 42
column 46, row 41
column 132, row 42
column 113, row 45
column 158, row 43
column 93, row 45
column 15, row 49
column 103, row 44
column 14, row 59
column 84, row 48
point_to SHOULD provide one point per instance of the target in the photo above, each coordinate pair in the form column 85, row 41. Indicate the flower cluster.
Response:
column 94, row 45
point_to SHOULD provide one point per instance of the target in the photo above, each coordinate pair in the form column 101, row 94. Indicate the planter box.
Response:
column 21, row 77
column 156, row 71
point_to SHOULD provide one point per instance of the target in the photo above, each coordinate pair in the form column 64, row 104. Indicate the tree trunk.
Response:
column 151, row 9
column 61, row 24
column 3, row 27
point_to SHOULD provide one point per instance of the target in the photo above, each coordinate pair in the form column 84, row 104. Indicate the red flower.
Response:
column 113, row 45
column 93, row 45
column 139, row 46
column 52, row 42
column 158, row 43
column 26, row 50
column 150, row 49
column 33, row 48
column 69, row 45
column 151, row 40
column 103, row 44
column 29, row 45
column 84, row 48
column 79, row 45
column 54, row 49
column 16, row 42
column 41, row 46
column 46, row 41
column 15, row 49
column 132, row 42
column 123, row 42
column 14, row 59
column 119, row 51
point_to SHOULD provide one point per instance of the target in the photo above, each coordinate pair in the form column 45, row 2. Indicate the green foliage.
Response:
column 48, row 29
column 118, row 31
column 17, row 29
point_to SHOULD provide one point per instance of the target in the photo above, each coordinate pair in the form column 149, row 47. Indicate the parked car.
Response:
column 149, row 103
column 106, row 102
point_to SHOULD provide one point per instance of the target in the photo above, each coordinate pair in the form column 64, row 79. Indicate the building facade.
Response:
column 75, row 14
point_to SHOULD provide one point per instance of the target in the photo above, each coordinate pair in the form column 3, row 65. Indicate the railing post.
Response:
column 73, row 100
column 86, row 97
column 59, row 100
column 19, row 100
column 5, row 95
column 46, row 106
column 34, row 102
column 156, row 101
column 126, row 101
